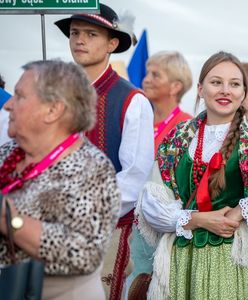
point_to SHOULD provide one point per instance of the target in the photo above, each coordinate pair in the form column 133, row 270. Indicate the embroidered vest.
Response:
column 114, row 96
column 173, row 152
column 233, row 192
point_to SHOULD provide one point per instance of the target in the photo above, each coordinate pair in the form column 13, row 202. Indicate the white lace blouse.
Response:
column 170, row 218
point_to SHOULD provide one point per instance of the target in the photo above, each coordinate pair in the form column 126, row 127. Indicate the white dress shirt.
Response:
column 136, row 152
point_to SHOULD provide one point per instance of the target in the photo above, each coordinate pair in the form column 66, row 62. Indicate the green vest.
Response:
column 233, row 192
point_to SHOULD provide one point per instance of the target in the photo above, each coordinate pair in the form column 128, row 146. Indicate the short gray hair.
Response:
column 176, row 68
column 56, row 80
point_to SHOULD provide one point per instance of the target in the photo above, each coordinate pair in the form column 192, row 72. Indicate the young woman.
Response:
column 204, row 162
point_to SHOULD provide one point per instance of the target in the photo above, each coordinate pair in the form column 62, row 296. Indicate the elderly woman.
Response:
column 168, row 78
column 62, row 190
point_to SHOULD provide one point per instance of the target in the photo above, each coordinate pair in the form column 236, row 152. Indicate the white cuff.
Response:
column 185, row 217
column 243, row 203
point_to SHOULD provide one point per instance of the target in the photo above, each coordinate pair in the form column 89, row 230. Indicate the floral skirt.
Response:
column 206, row 274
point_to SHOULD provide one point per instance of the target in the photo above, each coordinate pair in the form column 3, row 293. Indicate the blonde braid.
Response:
column 217, row 179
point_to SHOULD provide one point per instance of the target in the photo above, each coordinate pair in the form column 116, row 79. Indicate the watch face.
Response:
column 17, row 222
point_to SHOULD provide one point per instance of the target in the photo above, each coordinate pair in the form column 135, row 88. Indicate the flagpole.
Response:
column 43, row 35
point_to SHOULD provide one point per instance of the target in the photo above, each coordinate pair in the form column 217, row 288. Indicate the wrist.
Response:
column 239, row 212
column 195, row 221
column 17, row 223
column 243, row 207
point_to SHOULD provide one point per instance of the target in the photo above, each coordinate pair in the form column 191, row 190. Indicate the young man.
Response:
column 124, row 129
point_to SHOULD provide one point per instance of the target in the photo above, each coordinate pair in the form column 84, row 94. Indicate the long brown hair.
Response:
column 217, row 179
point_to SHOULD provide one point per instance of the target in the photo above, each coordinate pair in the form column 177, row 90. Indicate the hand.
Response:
column 214, row 221
column 235, row 214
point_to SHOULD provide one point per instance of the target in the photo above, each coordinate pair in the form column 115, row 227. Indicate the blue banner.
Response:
column 4, row 97
column 137, row 66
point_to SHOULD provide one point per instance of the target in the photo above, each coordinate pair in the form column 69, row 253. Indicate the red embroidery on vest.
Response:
column 126, row 104
column 98, row 134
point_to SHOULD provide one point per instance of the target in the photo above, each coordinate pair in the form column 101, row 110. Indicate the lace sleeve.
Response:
column 184, row 218
column 243, row 203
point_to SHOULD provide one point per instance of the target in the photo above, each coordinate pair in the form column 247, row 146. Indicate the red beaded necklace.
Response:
column 9, row 166
column 198, row 165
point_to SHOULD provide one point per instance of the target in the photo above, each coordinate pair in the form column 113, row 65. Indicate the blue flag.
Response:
column 137, row 66
column 4, row 97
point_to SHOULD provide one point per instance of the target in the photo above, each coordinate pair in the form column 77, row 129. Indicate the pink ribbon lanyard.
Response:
column 164, row 123
column 45, row 163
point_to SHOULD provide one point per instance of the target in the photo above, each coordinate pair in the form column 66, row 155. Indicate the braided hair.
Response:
column 217, row 178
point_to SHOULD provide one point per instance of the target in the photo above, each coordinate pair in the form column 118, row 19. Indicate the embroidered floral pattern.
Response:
column 178, row 140
column 173, row 147
column 243, row 154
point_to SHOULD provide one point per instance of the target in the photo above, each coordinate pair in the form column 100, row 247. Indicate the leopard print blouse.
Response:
column 77, row 200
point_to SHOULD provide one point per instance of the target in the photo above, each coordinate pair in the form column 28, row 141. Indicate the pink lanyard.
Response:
column 164, row 123
column 45, row 163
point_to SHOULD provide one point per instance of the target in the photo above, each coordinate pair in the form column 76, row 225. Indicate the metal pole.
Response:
column 43, row 34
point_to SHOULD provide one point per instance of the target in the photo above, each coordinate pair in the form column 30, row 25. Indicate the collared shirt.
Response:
column 136, row 152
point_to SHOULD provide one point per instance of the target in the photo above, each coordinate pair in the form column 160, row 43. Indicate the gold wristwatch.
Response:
column 17, row 222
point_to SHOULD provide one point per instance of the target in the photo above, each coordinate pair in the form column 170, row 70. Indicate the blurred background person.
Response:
column 167, row 79
column 4, row 116
column 61, row 188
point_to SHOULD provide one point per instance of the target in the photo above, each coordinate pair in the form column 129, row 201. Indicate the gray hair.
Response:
column 56, row 80
column 176, row 68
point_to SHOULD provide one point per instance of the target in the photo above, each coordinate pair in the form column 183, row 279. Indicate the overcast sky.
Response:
column 196, row 28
